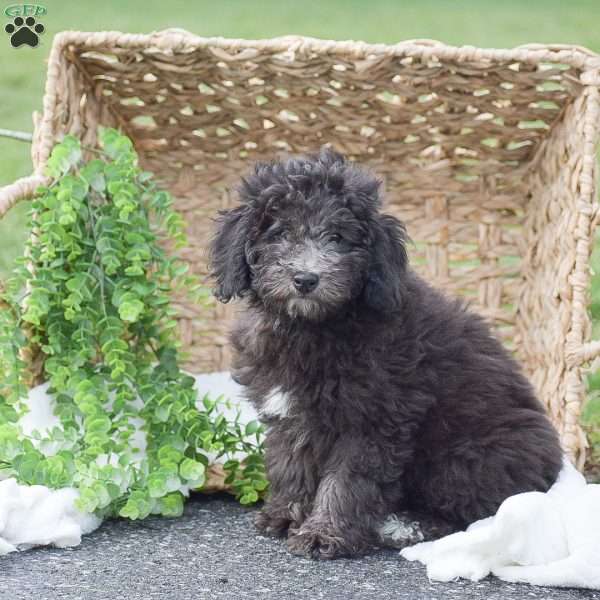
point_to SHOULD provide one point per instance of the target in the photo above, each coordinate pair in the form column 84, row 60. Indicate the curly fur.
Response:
column 380, row 394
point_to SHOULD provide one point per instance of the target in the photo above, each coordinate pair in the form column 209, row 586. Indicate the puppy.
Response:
column 380, row 394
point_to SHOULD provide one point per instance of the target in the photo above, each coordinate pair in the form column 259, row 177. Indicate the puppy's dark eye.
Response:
column 334, row 238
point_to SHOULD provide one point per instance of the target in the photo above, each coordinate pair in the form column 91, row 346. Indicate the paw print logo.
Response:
column 24, row 31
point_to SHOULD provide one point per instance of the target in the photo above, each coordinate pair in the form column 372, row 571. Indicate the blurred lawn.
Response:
column 478, row 22
column 486, row 23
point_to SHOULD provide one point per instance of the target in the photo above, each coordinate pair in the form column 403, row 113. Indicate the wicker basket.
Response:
column 487, row 155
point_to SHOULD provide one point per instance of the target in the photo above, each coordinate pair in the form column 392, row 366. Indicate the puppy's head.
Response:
column 308, row 239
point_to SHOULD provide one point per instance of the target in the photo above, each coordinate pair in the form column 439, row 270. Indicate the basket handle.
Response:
column 21, row 189
column 587, row 352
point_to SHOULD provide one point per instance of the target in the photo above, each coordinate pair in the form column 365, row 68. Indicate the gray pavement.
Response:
column 213, row 552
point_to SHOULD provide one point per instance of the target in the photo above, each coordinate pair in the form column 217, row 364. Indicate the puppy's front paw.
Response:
column 274, row 524
column 277, row 516
column 319, row 543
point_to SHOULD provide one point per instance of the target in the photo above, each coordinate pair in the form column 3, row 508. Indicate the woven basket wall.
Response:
column 486, row 155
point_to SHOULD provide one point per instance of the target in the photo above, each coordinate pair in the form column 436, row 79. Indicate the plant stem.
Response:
column 102, row 274
column 21, row 136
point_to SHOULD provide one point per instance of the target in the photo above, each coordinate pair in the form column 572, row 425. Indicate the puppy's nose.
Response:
column 305, row 281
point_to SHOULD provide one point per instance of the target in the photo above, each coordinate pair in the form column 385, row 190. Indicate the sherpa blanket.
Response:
column 544, row 539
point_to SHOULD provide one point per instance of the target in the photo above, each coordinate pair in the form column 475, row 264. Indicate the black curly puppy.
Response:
column 380, row 394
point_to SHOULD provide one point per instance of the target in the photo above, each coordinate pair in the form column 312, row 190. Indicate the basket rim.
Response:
column 181, row 40
column 365, row 55
column 175, row 40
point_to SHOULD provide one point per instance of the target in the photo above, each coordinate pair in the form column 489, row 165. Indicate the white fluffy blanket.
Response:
column 37, row 516
column 548, row 539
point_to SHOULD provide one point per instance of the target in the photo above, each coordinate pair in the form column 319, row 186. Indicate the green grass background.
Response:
column 486, row 23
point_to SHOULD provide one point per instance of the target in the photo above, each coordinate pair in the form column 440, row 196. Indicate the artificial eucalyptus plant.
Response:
column 96, row 304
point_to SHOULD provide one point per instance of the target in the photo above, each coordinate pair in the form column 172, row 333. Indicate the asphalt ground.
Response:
column 213, row 552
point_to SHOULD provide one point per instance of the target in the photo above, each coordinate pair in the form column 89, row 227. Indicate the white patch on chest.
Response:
column 276, row 404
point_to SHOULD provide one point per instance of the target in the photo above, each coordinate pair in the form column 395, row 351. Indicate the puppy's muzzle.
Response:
column 305, row 281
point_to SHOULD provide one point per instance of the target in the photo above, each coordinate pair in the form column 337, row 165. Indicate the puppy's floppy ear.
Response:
column 229, row 265
column 387, row 264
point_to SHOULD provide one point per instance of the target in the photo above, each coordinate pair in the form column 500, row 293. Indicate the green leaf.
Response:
column 26, row 465
column 252, row 427
column 138, row 505
column 99, row 424
column 10, row 445
column 115, row 145
column 130, row 311
column 169, row 454
column 87, row 501
column 93, row 174
column 64, row 156
column 249, row 497
column 102, row 494
column 171, row 505
column 209, row 404
column 260, row 484
column 192, row 470
column 129, row 511
column 157, row 484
